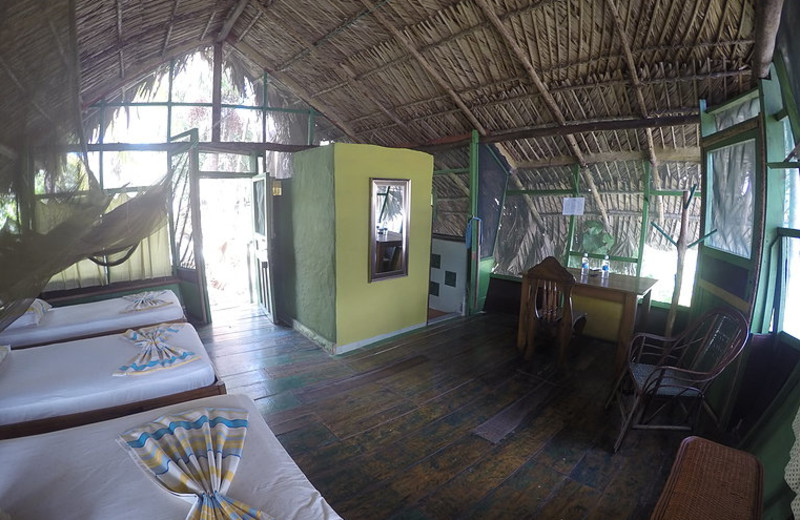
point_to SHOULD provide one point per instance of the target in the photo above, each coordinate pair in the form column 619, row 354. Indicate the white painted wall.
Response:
column 453, row 259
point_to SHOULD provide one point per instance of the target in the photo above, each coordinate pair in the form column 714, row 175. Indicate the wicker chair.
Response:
column 546, row 303
column 667, row 373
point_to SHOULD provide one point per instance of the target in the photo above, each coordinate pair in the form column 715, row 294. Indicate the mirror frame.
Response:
column 375, row 183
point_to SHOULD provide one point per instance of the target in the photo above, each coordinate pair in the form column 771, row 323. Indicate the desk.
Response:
column 620, row 289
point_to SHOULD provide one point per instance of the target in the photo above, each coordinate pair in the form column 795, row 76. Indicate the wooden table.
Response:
column 620, row 289
column 384, row 241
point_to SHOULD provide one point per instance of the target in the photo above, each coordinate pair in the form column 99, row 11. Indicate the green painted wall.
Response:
column 365, row 310
column 312, row 214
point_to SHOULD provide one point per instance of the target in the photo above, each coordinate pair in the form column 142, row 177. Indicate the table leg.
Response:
column 625, row 330
column 645, row 309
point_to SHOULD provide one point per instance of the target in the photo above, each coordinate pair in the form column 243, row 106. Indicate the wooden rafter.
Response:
column 549, row 101
column 368, row 93
column 633, row 75
column 691, row 154
column 670, row 49
column 233, row 16
column 532, row 96
column 255, row 19
column 22, row 88
column 208, row 25
column 307, row 49
column 310, row 49
column 578, row 127
column 120, row 43
column 298, row 90
column 425, row 64
column 170, row 26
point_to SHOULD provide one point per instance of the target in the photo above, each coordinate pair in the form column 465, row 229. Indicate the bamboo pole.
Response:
column 682, row 246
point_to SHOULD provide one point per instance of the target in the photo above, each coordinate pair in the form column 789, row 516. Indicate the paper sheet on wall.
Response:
column 573, row 206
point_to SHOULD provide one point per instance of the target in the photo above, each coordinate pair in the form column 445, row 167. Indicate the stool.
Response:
column 710, row 481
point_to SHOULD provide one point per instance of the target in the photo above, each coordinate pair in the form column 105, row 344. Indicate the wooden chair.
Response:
column 546, row 303
column 665, row 373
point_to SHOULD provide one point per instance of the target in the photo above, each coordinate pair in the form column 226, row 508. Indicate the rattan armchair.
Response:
column 668, row 377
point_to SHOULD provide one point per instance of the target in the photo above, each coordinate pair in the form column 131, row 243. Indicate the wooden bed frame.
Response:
column 10, row 431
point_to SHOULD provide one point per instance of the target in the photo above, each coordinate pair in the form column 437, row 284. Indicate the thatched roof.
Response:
column 413, row 72
column 602, row 84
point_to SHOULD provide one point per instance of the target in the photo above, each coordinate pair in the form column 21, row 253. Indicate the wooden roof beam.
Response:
column 298, row 90
column 690, row 154
column 432, row 72
column 561, row 66
column 768, row 18
column 532, row 132
column 567, row 88
column 233, row 16
column 366, row 92
column 634, row 77
column 311, row 49
column 255, row 19
column 549, row 100
column 307, row 49
column 637, row 87
column 170, row 25
column 120, row 43
column 22, row 88
column 208, row 25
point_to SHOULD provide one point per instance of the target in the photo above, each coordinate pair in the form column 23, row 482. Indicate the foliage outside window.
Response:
column 8, row 210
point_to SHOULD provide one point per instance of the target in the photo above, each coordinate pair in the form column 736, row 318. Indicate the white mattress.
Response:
column 85, row 319
column 83, row 474
column 76, row 376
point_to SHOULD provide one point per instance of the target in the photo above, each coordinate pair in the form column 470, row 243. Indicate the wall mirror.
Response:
column 388, row 227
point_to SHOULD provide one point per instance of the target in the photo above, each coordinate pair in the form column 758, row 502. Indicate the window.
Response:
column 790, row 244
column 792, row 288
column 730, row 198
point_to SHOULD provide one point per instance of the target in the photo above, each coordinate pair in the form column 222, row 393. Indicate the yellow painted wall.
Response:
column 603, row 317
column 365, row 310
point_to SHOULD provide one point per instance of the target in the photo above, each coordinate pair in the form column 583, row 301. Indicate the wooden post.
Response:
column 682, row 247
column 216, row 95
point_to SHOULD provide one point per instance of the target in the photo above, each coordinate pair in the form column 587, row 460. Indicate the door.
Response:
column 733, row 189
column 187, row 239
column 262, row 235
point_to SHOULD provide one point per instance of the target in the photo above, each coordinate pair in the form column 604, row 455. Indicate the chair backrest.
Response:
column 712, row 341
column 550, row 296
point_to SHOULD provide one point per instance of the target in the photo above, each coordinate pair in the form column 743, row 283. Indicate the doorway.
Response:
column 226, row 217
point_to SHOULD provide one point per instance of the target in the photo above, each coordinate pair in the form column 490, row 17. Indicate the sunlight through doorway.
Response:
column 226, row 213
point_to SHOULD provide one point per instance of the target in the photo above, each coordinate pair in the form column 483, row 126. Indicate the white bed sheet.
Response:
column 84, row 474
column 84, row 319
column 76, row 376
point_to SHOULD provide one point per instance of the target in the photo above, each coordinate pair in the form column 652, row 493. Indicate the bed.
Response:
column 92, row 319
column 85, row 473
column 65, row 384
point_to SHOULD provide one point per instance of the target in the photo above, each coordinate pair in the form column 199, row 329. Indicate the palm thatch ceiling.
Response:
column 554, row 81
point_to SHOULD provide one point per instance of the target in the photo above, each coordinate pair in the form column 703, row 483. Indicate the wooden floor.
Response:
column 446, row 423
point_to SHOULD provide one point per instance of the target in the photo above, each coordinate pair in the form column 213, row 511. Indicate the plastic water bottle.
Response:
column 585, row 263
column 606, row 266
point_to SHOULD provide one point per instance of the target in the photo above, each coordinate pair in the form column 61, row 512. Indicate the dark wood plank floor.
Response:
column 445, row 423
